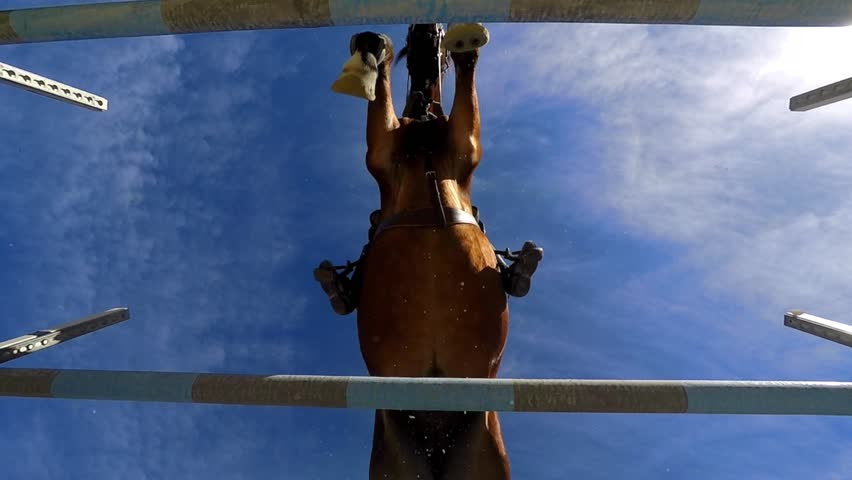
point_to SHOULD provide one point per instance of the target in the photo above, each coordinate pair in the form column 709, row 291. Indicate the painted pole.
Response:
column 818, row 326
column 438, row 394
column 163, row 17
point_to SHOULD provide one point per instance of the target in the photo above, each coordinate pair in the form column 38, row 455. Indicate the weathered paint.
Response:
column 599, row 396
column 7, row 33
column 442, row 394
column 425, row 394
column 613, row 11
column 157, row 17
column 356, row 12
column 284, row 390
column 105, row 20
column 187, row 16
column 805, row 398
column 774, row 13
column 136, row 386
column 26, row 383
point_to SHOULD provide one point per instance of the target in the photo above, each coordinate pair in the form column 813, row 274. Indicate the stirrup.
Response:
column 518, row 277
column 336, row 286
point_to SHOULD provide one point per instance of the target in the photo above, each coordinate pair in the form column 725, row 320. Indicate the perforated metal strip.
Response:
column 21, row 78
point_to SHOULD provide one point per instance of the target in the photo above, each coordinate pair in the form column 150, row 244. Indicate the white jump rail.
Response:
column 820, row 327
column 163, row 17
column 438, row 394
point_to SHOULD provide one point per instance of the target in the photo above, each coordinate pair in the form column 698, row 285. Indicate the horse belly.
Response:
column 432, row 304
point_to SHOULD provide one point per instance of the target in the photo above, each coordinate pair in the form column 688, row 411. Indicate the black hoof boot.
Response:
column 519, row 275
column 337, row 287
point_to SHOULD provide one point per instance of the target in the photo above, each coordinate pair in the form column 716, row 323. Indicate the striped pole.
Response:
column 438, row 394
column 161, row 17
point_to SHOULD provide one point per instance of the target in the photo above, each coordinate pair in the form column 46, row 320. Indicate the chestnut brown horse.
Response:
column 432, row 302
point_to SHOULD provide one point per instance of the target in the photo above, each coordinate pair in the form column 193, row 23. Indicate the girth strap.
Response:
column 436, row 196
column 425, row 217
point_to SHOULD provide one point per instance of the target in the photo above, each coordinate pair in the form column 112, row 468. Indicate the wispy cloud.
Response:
column 695, row 144
column 136, row 203
column 673, row 145
column 153, row 205
column 658, row 166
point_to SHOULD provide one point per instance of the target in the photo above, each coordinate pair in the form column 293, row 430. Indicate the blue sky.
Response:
column 682, row 209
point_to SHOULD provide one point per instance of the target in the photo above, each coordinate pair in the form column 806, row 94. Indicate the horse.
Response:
column 432, row 294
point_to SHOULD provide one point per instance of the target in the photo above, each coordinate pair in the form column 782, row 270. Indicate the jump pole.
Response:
column 164, row 17
column 438, row 394
column 821, row 327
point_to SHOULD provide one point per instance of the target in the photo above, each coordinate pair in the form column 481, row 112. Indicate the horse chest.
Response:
column 415, row 142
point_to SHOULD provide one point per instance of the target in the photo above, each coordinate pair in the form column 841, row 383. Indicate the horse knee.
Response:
column 466, row 144
column 467, row 152
column 378, row 163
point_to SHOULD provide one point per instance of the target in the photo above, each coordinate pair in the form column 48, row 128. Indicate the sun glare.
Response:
column 814, row 56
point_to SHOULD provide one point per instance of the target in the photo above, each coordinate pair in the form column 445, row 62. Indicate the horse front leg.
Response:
column 464, row 116
column 377, row 52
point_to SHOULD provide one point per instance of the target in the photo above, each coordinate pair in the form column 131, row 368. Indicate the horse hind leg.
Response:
column 398, row 451
column 438, row 446
column 480, row 453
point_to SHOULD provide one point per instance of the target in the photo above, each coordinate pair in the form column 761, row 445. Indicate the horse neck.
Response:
column 407, row 187
column 425, row 70
column 434, row 107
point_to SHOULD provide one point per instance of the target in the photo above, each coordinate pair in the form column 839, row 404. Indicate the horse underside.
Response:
column 433, row 302
column 435, row 305
column 437, row 445
column 433, row 317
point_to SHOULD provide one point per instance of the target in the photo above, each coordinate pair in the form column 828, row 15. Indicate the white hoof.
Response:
column 465, row 37
column 358, row 78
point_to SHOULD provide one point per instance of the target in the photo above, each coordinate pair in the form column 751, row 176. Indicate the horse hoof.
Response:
column 378, row 44
column 369, row 51
column 465, row 37
column 358, row 77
